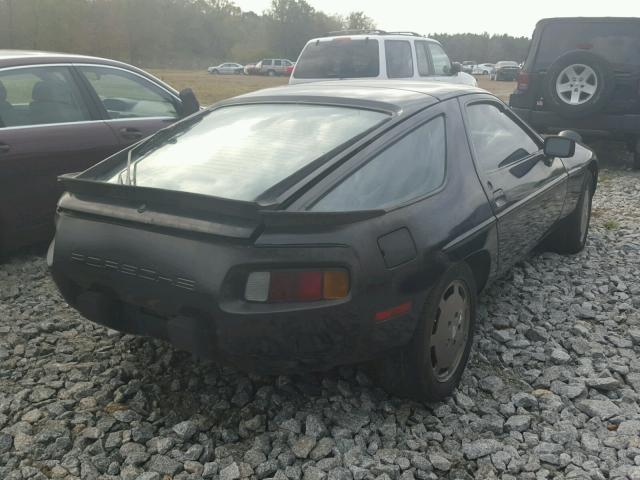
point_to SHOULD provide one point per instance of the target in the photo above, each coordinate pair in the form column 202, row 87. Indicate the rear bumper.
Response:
column 609, row 125
column 189, row 292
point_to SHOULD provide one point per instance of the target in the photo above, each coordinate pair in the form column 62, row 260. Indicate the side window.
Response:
column 277, row 63
column 266, row 62
column 40, row 96
column 410, row 168
column 126, row 95
column 441, row 62
column 497, row 140
column 422, row 56
column 399, row 59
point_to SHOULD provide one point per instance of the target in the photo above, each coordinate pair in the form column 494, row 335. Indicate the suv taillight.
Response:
column 523, row 81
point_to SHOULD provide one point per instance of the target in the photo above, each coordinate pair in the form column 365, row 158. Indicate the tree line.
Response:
column 197, row 33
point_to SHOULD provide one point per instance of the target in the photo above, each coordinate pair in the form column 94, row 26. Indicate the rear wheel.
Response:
column 271, row 73
column 431, row 366
column 571, row 235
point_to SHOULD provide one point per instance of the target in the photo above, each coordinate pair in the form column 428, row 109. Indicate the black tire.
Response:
column 604, row 88
column 214, row 72
column 571, row 235
column 410, row 371
column 271, row 73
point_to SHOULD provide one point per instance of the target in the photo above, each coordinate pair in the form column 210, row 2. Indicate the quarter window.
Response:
column 408, row 169
column 399, row 59
column 498, row 141
column 277, row 63
column 126, row 95
column 441, row 62
column 39, row 96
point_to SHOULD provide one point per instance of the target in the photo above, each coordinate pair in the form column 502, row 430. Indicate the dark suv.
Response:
column 583, row 74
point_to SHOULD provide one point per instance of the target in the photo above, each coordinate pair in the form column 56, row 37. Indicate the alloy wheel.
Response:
column 450, row 330
column 577, row 84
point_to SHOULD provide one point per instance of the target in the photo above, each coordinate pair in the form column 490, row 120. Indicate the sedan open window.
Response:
column 410, row 168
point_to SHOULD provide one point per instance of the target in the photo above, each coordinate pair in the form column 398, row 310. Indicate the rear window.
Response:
column 339, row 58
column 617, row 42
column 239, row 152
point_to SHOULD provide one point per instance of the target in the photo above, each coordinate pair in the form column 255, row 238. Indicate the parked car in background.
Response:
column 584, row 74
column 339, row 253
column 63, row 113
column 227, row 69
column 289, row 70
column 376, row 54
column 273, row 67
column 250, row 69
column 505, row 70
column 484, row 69
column 468, row 65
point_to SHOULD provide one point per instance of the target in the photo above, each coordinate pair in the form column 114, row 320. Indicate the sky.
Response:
column 514, row 17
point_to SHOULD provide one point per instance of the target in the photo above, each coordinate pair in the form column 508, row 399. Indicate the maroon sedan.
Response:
column 63, row 113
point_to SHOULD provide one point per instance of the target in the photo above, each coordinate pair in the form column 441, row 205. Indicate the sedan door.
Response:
column 134, row 107
column 526, row 189
column 47, row 128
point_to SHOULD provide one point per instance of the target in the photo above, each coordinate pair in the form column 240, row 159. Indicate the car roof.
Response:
column 392, row 95
column 586, row 20
column 18, row 58
column 383, row 36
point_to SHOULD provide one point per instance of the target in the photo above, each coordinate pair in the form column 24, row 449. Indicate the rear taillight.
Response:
column 523, row 81
column 280, row 286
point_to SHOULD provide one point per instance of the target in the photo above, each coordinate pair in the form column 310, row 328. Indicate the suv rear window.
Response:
column 339, row 58
column 239, row 152
column 617, row 42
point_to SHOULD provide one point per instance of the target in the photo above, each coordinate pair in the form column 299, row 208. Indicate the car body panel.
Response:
column 120, row 261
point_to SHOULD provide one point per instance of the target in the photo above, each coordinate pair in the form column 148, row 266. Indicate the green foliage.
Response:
column 483, row 48
column 197, row 33
column 359, row 21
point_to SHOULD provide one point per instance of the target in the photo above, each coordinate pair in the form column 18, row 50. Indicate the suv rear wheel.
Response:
column 579, row 83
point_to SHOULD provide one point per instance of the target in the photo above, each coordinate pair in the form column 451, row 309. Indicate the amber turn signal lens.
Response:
column 335, row 285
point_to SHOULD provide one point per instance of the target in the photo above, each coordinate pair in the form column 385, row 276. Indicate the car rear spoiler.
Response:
column 189, row 212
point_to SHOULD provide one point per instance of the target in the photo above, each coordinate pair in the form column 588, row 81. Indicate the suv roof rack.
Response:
column 338, row 33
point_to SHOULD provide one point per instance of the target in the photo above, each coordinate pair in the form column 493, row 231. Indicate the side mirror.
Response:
column 189, row 102
column 456, row 68
column 562, row 147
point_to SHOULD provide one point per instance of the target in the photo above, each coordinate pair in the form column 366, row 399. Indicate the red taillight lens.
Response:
column 523, row 81
column 297, row 285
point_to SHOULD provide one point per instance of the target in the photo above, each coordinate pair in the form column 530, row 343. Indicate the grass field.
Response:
column 212, row 88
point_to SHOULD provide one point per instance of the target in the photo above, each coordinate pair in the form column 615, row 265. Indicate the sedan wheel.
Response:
column 430, row 367
column 571, row 235
column 450, row 329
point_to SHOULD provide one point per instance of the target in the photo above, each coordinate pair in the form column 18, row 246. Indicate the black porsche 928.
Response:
column 300, row 228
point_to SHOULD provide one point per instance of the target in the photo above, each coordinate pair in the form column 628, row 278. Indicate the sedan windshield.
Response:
column 239, row 152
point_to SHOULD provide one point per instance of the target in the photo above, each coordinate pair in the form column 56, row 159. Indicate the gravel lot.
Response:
column 552, row 390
